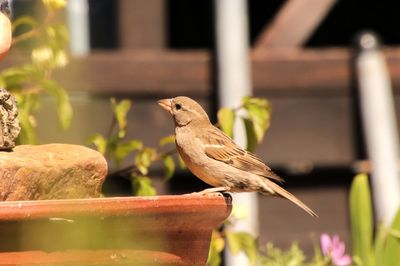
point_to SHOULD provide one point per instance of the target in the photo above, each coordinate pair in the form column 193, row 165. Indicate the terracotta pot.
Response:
column 164, row 230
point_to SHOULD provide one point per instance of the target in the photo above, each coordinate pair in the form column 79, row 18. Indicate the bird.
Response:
column 216, row 159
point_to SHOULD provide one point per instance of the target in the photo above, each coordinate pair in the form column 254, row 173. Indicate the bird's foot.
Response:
column 211, row 191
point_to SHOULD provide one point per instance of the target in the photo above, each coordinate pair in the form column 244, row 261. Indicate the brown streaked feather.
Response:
column 220, row 147
column 287, row 195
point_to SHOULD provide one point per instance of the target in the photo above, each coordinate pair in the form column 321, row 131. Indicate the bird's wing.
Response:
column 220, row 147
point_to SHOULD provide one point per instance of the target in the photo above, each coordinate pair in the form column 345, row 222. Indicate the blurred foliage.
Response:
column 269, row 255
column 140, row 158
column 256, row 115
column 384, row 248
column 46, row 42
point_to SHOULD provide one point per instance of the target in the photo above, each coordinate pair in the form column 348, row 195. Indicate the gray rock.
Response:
column 52, row 171
column 9, row 124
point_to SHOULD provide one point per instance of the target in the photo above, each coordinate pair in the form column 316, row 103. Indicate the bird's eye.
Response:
column 178, row 106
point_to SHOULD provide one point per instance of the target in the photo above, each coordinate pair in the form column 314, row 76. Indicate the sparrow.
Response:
column 216, row 159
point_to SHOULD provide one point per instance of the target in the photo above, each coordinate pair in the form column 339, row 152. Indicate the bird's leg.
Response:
column 212, row 190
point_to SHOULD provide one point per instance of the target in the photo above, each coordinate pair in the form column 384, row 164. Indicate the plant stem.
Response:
column 34, row 31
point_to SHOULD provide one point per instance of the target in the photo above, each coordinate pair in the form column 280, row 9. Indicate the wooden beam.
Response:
column 145, row 72
column 294, row 24
column 140, row 72
column 141, row 23
column 308, row 70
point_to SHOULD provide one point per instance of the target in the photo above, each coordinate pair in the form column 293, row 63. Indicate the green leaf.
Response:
column 169, row 165
column 16, row 77
column 394, row 233
column 24, row 20
column 294, row 256
column 54, row 4
column 242, row 241
column 379, row 245
column 100, row 142
column 58, row 36
column 122, row 150
column 216, row 246
column 43, row 56
column 226, row 119
column 144, row 159
column 167, row 140
column 26, row 105
column 233, row 242
column 143, row 186
column 27, row 123
column 259, row 112
column 250, row 135
column 64, row 108
column 120, row 110
column 391, row 251
column 361, row 219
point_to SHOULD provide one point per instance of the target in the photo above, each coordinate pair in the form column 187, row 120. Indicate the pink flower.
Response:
column 334, row 249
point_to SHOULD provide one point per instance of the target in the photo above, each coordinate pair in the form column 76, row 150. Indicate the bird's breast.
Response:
column 197, row 161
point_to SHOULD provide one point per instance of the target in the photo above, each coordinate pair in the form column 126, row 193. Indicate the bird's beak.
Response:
column 165, row 104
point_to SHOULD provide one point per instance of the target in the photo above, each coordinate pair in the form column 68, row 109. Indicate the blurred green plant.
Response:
column 269, row 255
column 384, row 248
column 116, row 147
column 256, row 118
column 46, row 42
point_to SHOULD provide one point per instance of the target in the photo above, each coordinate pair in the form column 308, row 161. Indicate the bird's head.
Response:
column 184, row 110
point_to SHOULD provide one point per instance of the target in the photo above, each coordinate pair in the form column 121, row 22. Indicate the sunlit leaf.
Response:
column 169, row 166
column 250, row 135
column 64, row 108
column 60, row 59
column 124, row 149
column 143, row 186
column 144, row 159
column 16, row 77
column 43, row 56
column 216, row 246
column 226, row 119
column 380, row 243
column 294, row 256
column 24, row 21
column 26, row 105
column 361, row 219
column 391, row 250
column 55, row 4
column 120, row 110
column 258, row 111
column 27, row 134
column 242, row 241
column 100, row 142
column 167, row 140
column 58, row 35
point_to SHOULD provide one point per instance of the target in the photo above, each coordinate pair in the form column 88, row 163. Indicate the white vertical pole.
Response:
column 379, row 120
column 234, row 82
column 78, row 24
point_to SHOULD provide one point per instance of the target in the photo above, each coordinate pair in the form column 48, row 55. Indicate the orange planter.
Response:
column 164, row 230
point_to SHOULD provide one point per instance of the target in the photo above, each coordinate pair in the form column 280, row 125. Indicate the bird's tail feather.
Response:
column 287, row 195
